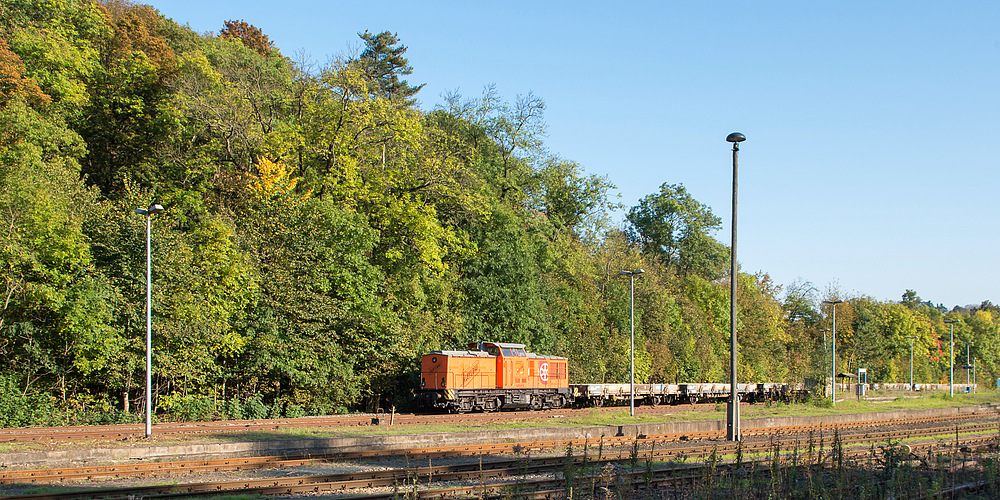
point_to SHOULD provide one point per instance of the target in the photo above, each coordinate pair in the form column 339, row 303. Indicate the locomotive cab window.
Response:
column 493, row 350
column 520, row 352
column 508, row 351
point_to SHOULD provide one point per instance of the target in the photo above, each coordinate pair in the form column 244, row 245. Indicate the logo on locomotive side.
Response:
column 543, row 372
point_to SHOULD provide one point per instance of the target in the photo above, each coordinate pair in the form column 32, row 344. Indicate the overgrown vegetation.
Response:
column 322, row 231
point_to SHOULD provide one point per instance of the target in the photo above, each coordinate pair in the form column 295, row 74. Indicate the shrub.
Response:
column 294, row 411
column 255, row 408
column 21, row 410
column 275, row 411
column 188, row 408
column 234, row 410
column 822, row 401
column 86, row 409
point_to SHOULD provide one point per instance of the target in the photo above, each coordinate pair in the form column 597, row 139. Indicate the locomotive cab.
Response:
column 491, row 376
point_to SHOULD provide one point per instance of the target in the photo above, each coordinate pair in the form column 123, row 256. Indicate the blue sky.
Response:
column 872, row 152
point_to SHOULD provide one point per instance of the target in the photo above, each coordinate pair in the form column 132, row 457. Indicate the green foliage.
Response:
column 128, row 93
column 255, row 408
column 234, row 409
column 502, row 289
column 383, row 63
column 54, row 39
column 188, row 407
column 321, row 233
column 294, row 411
column 677, row 229
column 18, row 409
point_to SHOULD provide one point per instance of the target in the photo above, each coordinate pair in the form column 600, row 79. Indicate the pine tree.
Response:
column 383, row 63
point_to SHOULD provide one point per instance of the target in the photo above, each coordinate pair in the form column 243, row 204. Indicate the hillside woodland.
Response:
column 321, row 231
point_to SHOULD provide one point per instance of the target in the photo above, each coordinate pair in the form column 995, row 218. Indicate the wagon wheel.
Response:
column 536, row 403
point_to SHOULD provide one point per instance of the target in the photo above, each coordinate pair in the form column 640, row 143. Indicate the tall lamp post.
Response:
column 148, row 212
column 951, row 360
column 733, row 415
column 911, row 362
column 968, row 366
column 631, row 344
column 833, row 333
column 823, row 331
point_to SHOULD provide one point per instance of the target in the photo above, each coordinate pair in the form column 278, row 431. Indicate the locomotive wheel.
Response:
column 536, row 403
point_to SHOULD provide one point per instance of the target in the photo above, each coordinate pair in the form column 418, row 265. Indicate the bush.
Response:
column 189, row 408
column 294, row 411
column 234, row 410
column 21, row 410
column 86, row 409
column 255, row 408
column 822, row 401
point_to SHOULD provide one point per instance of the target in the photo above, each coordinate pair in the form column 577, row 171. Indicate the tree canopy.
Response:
column 321, row 232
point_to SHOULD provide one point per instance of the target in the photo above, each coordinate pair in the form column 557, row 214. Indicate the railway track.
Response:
column 498, row 476
column 124, row 432
column 945, row 433
column 128, row 432
column 154, row 469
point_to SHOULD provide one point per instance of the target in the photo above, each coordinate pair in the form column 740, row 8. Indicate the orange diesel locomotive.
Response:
column 492, row 376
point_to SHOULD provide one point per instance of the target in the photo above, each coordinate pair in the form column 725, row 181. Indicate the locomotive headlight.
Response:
column 442, row 382
column 423, row 382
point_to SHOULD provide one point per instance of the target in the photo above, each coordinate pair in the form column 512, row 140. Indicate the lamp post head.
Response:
column 833, row 302
column 153, row 209
column 631, row 273
column 736, row 137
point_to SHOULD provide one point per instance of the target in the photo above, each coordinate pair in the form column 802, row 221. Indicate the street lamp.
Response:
column 968, row 365
column 148, row 212
column 833, row 330
column 911, row 362
column 975, row 386
column 951, row 360
column 823, row 331
column 733, row 413
column 631, row 344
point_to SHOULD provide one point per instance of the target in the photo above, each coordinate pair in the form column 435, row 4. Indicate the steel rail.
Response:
column 522, row 488
column 165, row 468
column 136, row 431
column 482, row 471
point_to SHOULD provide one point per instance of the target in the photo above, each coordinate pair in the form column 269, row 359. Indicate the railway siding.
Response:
column 303, row 447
